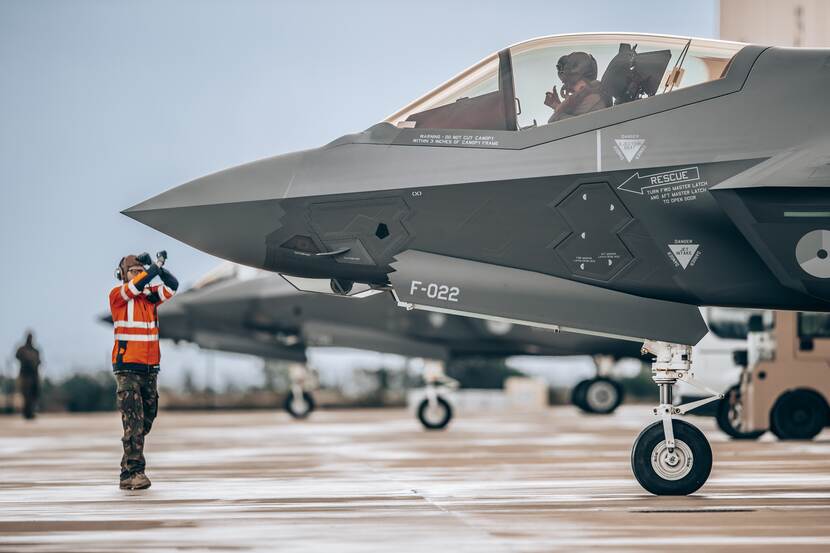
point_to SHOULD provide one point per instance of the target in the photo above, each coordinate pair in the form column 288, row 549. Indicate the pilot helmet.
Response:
column 576, row 66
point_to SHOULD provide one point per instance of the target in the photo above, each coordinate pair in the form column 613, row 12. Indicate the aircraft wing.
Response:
column 321, row 334
column 223, row 341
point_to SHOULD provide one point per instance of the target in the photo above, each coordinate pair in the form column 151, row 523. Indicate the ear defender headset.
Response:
column 119, row 271
column 142, row 259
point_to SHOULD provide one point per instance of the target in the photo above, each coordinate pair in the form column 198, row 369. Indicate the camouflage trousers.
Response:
column 138, row 401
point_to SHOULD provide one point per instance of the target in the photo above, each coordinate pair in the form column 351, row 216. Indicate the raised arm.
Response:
column 120, row 295
column 163, row 292
column 168, row 279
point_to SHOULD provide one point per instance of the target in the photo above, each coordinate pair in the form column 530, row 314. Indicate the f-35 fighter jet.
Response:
column 600, row 183
column 259, row 313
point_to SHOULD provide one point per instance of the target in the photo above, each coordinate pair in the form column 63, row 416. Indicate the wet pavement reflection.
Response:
column 373, row 480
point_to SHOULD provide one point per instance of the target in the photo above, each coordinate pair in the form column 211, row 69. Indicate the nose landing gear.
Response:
column 300, row 403
column 435, row 412
column 672, row 457
column 598, row 395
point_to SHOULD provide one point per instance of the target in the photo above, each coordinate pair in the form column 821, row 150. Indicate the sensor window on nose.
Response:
column 300, row 243
column 382, row 231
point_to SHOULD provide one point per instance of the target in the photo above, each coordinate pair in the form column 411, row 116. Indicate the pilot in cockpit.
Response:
column 580, row 92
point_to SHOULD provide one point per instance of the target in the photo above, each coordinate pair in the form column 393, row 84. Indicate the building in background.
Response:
column 776, row 22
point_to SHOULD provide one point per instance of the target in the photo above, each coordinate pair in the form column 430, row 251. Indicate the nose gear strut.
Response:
column 669, row 466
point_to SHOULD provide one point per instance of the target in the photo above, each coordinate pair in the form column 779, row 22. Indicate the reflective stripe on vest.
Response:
column 137, row 337
column 134, row 324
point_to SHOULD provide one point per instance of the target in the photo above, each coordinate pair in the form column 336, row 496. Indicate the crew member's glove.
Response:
column 144, row 258
column 161, row 257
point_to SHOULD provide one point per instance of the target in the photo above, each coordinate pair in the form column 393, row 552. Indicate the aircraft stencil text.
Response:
column 434, row 291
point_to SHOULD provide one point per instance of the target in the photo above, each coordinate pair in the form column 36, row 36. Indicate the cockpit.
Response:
column 545, row 80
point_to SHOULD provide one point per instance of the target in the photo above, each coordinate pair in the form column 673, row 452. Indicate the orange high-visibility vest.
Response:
column 135, row 323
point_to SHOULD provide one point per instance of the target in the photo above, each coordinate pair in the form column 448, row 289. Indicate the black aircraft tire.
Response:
column 298, row 414
column 798, row 415
column 437, row 423
column 724, row 419
column 578, row 395
column 602, row 396
column 650, row 465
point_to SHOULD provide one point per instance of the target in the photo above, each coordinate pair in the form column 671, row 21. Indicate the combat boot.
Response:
column 138, row 481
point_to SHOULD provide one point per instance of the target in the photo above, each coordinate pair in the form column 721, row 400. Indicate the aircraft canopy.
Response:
column 513, row 89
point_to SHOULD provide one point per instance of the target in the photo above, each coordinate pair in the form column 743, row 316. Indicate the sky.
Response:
column 104, row 104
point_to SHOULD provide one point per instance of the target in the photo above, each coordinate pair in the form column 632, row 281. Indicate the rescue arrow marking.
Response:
column 675, row 176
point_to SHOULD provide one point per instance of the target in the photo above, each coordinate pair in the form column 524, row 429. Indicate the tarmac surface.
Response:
column 374, row 481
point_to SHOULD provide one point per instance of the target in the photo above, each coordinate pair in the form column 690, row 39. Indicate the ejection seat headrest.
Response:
column 631, row 75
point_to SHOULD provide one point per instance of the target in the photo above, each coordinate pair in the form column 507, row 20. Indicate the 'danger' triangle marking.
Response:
column 683, row 253
column 629, row 146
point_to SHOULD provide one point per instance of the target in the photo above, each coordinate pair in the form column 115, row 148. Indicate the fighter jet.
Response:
column 177, row 324
column 599, row 183
column 255, row 312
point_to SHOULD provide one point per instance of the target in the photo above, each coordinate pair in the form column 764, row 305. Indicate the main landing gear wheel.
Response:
column 299, row 406
column 664, row 472
column 435, row 415
column 598, row 395
column 730, row 413
column 798, row 415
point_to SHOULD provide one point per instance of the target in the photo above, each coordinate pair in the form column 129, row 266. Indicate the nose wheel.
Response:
column 598, row 395
column 299, row 404
column 672, row 457
column 680, row 470
column 434, row 413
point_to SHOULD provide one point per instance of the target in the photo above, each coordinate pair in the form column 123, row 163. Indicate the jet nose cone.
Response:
column 227, row 214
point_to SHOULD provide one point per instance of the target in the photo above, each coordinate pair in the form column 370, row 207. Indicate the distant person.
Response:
column 581, row 92
column 136, row 356
column 29, row 379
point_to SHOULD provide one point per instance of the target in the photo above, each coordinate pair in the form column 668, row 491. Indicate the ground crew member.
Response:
column 28, row 380
column 135, row 355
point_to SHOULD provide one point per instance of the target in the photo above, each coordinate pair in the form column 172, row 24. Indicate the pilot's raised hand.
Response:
column 552, row 99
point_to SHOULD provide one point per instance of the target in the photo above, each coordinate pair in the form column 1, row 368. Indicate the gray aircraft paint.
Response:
column 267, row 317
column 763, row 126
column 515, row 295
column 322, row 334
column 222, row 340
column 569, row 147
